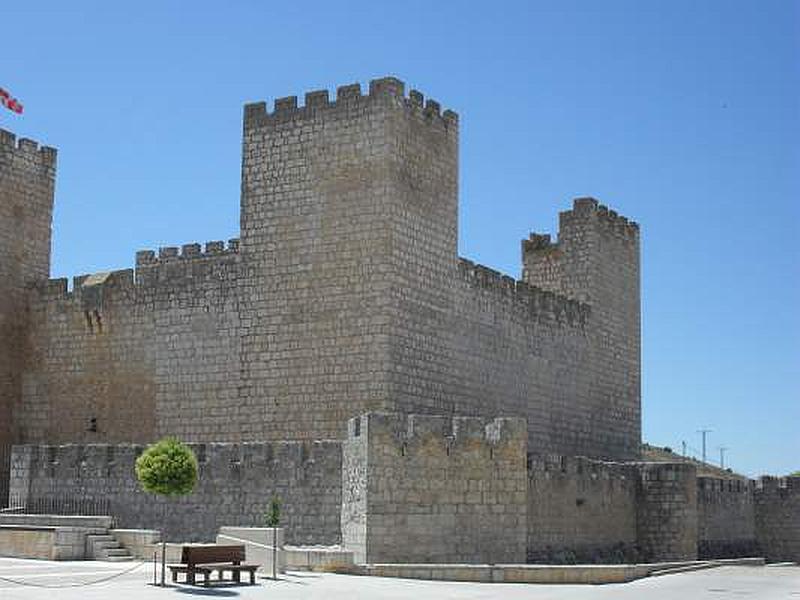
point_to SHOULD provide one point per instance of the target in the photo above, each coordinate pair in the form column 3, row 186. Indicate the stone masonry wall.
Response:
column 725, row 518
column 581, row 511
column 518, row 350
column 423, row 488
column 667, row 511
column 777, row 516
column 27, row 181
column 128, row 357
column 236, row 483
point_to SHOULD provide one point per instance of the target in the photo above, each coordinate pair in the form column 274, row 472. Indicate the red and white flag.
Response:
column 10, row 103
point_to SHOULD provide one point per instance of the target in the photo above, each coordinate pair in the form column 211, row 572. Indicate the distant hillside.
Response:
column 656, row 454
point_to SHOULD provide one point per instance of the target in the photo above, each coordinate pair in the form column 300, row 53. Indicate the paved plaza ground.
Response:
column 758, row 583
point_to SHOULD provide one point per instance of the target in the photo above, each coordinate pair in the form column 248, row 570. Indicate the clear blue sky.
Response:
column 682, row 115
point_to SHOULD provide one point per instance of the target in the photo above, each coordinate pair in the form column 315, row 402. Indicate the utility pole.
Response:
column 704, row 432
column 722, row 456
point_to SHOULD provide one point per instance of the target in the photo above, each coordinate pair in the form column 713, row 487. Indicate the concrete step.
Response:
column 128, row 558
column 106, row 545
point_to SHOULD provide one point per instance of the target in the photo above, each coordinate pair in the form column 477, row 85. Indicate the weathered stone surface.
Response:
column 434, row 489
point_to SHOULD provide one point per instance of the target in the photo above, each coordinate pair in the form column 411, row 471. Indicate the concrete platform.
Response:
column 723, row 583
column 546, row 574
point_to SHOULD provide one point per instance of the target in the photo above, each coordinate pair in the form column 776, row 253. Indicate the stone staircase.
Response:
column 106, row 547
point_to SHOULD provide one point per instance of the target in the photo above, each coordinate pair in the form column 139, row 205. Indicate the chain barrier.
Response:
column 75, row 585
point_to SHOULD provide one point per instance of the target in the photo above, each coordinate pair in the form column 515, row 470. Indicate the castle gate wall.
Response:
column 777, row 516
column 235, row 486
column 726, row 525
column 581, row 511
column 423, row 488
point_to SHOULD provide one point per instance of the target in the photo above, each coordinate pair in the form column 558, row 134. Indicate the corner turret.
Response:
column 596, row 261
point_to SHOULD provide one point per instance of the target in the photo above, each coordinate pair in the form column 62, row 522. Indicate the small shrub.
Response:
column 272, row 518
column 167, row 468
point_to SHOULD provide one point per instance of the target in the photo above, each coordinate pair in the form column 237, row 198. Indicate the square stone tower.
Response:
column 27, row 181
column 348, row 225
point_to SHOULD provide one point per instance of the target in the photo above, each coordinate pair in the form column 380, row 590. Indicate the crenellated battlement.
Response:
column 542, row 246
column 213, row 458
column 447, row 433
column 540, row 303
column 581, row 467
column 611, row 221
column 27, row 148
column 538, row 242
column 192, row 251
column 772, row 484
column 347, row 97
column 716, row 485
column 58, row 288
column 148, row 265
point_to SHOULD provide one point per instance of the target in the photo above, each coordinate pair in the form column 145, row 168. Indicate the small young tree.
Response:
column 272, row 518
column 167, row 468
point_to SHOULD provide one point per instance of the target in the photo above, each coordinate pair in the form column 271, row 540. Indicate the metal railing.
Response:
column 59, row 505
column 5, row 473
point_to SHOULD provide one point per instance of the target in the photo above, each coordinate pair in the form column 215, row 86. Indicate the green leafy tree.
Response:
column 167, row 468
column 795, row 474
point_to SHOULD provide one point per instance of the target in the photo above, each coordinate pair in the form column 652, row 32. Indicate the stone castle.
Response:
column 341, row 353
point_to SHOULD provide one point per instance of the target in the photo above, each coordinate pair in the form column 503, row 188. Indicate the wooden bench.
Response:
column 204, row 560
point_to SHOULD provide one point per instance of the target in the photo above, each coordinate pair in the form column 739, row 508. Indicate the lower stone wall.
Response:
column 432, row 489
column 236, row 483
column 777, row 516
column 581, row 511
column 725, row 518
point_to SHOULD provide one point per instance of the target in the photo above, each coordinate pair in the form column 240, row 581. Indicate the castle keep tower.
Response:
column 348, row 221
column 27, row 180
